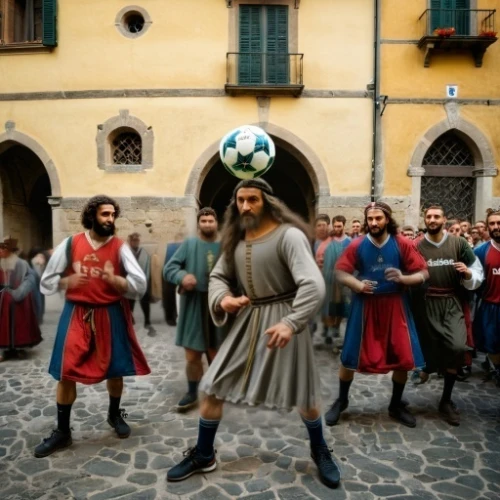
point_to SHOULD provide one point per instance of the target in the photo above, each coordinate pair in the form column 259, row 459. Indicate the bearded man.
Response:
column 95, row 338
column 380, row 335
column 189, row 268
column 440, row 309
column 487, row 319
column 267, row 357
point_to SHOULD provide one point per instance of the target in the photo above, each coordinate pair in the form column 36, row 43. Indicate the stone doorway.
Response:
column 288, row 177
column 25, row 186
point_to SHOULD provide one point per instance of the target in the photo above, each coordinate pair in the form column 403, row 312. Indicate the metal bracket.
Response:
column 297, row 4
column 229, row 3
column 384, row 102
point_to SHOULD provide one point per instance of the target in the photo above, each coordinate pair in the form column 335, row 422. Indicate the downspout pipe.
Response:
column 377, row 179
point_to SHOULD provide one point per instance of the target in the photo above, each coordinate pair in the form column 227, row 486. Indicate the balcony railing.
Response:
column 448, row 29
column 264, row 73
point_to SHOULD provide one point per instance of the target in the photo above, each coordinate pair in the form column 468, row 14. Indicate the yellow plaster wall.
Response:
column 184, row 128
column 403, row 128
column 403, row 72
column 185, row 47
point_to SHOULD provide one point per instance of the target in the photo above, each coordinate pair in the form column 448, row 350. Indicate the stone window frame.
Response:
column 108, row 130
column 293, row 22
column 126, row 10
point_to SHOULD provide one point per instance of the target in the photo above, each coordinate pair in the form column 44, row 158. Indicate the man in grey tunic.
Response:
column 267, row 357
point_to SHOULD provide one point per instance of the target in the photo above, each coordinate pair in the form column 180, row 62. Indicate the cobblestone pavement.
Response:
column 262, row 454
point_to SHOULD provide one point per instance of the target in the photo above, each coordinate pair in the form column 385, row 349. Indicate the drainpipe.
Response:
column 377, row 181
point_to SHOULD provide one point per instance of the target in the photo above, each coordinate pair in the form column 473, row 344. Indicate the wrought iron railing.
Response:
column 458, row 22
column 264, row 68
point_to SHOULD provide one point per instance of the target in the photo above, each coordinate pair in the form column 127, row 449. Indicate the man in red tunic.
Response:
column 19, row 303
column 95, row 338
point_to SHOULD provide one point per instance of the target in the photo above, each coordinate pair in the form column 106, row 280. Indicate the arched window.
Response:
column 124, row 144
column 448, row 178
column 126, row 147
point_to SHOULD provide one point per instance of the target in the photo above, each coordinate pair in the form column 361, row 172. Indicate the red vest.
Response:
column 91, row 262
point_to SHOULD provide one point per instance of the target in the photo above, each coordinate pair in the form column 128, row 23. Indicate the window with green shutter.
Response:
column 263, row 45
column 49, row 23
column 451, row 14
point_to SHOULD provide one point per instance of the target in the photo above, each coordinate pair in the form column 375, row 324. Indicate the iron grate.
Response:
column 127, row 149
column 449, row 150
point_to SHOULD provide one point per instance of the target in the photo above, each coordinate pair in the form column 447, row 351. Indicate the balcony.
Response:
column 456, row 30
column 264, row 73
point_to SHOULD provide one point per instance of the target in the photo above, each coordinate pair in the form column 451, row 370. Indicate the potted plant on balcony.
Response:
column 444, row 32
column 488, row 33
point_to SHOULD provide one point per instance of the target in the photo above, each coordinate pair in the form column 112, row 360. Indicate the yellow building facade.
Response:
column 440, row 97
column 132, row 101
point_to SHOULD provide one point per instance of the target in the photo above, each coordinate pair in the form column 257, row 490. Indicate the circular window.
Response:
column 132, row 21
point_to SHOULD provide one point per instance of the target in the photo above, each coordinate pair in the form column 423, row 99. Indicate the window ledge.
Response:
column 124, row 169
column 264, row 90
column 23, row 47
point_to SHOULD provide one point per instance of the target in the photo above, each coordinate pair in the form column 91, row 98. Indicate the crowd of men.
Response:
column 251, row 296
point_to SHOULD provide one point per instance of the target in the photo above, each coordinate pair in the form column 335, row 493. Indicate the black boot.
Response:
column 56, row 441
column 119, row 425
column 328, row 470
column 332, row 416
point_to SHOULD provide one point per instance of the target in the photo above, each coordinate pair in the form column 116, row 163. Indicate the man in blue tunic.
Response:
column 189, row 269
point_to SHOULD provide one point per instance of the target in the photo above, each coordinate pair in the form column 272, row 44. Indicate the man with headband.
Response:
column 440, row 309
column 267, row 357
column 380, row 335
column 487, row 319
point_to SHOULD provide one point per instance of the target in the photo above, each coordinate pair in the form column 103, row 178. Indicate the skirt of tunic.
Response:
column 95, row 344
column 18, row 322
column 381, row 335
column 245, row 370
column 487, row 328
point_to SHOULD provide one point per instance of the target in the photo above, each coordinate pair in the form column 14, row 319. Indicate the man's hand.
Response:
column 280, row 335
column 75, row 281
column 109, row 276
column 189, row 282
column 367, row 286
column 394, row 275
column 462, row 268
column 232, row 305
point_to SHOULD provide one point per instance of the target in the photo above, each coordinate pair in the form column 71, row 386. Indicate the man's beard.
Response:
column 250, row 221
column 377, row 231
column 434, row 230
column 103, row 230
column 208, row 233
column 495, row 235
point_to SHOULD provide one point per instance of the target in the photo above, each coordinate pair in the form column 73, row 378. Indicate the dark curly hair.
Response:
column 90, row 209
column 206, row 211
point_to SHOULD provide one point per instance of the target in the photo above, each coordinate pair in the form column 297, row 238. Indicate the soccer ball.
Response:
column 247, row 152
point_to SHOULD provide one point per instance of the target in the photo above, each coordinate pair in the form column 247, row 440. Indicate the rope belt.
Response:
column 434, row 291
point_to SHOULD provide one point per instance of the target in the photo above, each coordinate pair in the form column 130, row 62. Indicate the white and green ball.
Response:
column 247, row 152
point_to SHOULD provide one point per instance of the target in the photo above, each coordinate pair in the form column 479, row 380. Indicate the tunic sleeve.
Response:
column 136, row 278
column 27, row 284
column 49, row 283
column 297, row 254
column 413, row 261
column 347, row 261
column 477, row 277
column 174, row 270
column 219, row 286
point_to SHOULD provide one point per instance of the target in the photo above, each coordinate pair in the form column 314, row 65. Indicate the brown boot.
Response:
column 450, row 412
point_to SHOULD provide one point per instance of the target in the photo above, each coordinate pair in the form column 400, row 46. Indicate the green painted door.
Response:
column 451, row 14
column 263, row 45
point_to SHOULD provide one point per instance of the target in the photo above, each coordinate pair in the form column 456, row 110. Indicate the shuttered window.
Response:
column 263, row 44
column 450, row 14
column 49, row 23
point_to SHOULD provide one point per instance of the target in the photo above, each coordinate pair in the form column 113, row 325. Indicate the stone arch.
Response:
column 484, row 169
column 11, row 135
column 124, row 121
column 282, row 138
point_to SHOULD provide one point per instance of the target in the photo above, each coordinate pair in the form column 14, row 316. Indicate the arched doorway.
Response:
column 448, row 179
column 290, row 181
column 25, row 213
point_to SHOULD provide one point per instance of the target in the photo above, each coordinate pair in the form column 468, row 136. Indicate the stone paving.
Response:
column 262, row 454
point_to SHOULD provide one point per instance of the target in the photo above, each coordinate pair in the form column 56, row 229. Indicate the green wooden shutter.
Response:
column 49, row 22
column 462, row 24
column 250, row 65
column 277, row 44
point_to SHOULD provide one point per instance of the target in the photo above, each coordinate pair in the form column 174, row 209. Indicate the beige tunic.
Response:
column 279, row 275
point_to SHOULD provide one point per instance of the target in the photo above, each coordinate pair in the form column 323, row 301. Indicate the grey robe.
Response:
column 245, row 369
